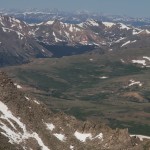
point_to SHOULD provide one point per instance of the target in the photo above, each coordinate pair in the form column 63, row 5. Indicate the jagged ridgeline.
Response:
column 20, row 42
column 26, row 123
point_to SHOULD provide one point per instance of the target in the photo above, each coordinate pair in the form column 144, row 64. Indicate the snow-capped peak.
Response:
column 123, row 26
column 50, row 22
column 92, row 22
column 108, row 24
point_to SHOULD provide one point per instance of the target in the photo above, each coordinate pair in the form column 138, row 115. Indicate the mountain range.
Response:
column 20, row 42
column 37, row 16
column 109, row 80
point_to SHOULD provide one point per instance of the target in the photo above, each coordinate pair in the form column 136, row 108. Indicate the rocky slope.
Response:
column 16, row 47
column 26, row 123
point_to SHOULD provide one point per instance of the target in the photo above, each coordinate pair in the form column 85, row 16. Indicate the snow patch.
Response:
column 61, row 137
column 39, row 24
column 128, row 42
column 103, row 77
column 84, row 136
column 133, row 82
column 99, row 136
column 145, row 57
column 18, row 86
column 142, row 62
column 71, row 147
column 81, row 25
column 71, row 28
column 5, row 29
column 141, row 137
column 122, row 61
column 147, row 31
column 67, row 34
column 43, row 50
column 36, row 102
column 50, row 126
column 134, row 41
column 20, row 35
column 137, row 31
column 122, row 38
column 19, row 136
column 16, row 20
column 56, row 39
column 123, row 26
column 108, row 24
column 49, row 22
column 27, row 98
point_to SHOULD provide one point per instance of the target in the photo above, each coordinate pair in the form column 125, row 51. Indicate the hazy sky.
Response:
column 123, row 7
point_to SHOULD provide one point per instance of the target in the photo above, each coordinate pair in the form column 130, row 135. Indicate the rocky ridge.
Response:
column 26, row 123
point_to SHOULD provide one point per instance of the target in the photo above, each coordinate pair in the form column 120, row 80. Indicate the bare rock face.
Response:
column 26, row 123
column 16, row 46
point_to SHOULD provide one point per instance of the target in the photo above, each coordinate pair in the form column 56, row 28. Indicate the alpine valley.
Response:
column 72, row 81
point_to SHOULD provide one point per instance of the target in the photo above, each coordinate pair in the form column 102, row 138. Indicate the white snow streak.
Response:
column 128, row 42
column 141, row 137
column 145, row 57
column 61, row 137
column 49, row 22
column 103, row 77
column 133, row 82
column 18, row 86
column 84, row 136
column 71, row 147
column 108, row 24
column 142, row 62
column 19, row 136
column 123, row 26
